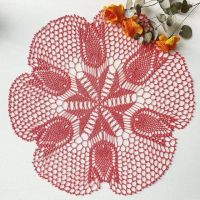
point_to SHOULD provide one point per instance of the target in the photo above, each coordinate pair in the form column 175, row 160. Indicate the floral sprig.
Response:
column 137, row 25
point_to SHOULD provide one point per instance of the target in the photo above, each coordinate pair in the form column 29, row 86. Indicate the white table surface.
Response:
column 19, row 21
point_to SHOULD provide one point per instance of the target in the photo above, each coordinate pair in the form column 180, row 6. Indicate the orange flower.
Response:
column 166, row 44
column 113, row 14
column 130, row 27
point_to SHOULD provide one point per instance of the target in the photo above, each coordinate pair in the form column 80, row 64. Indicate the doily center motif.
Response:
column 101, row 107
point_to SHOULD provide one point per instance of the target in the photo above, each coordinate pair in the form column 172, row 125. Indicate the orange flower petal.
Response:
column 166, row 44
column 162, row 37
column 134, row 17
column 113, row 14
column 119, row 10
column 127, row 28
column 172, row 41
column 110, row 16
column 130, row 27
column 162, row 46
column 138, row 29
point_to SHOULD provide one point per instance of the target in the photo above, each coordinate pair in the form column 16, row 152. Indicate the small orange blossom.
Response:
column 130, row 27
column 166, row 44
column 114, row 14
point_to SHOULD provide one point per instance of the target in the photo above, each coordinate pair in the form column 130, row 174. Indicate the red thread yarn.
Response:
column 101, row 107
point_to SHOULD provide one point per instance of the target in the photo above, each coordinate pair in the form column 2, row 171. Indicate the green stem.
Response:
column 158, row 26
column 195, row 6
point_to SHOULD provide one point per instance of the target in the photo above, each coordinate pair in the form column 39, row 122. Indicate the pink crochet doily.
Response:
column 101, row 107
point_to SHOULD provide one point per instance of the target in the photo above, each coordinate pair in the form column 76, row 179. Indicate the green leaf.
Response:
column 147, row 37
column 167, row 11
column 161, row 17
column 185, row 6
column 170, row 20
column 176, row 7
column 186, row 32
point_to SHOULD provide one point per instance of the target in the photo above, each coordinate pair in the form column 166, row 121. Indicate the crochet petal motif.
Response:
column 101, row 107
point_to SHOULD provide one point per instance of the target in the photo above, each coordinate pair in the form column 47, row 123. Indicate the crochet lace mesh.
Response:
column 100, row 107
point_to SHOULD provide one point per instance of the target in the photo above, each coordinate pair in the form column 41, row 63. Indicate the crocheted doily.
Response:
column 101, row 107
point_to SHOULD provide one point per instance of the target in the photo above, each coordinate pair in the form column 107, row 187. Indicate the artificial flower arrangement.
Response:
column 137, row 25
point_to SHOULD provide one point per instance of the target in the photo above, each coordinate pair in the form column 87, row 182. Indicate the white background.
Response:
column 19, row 21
